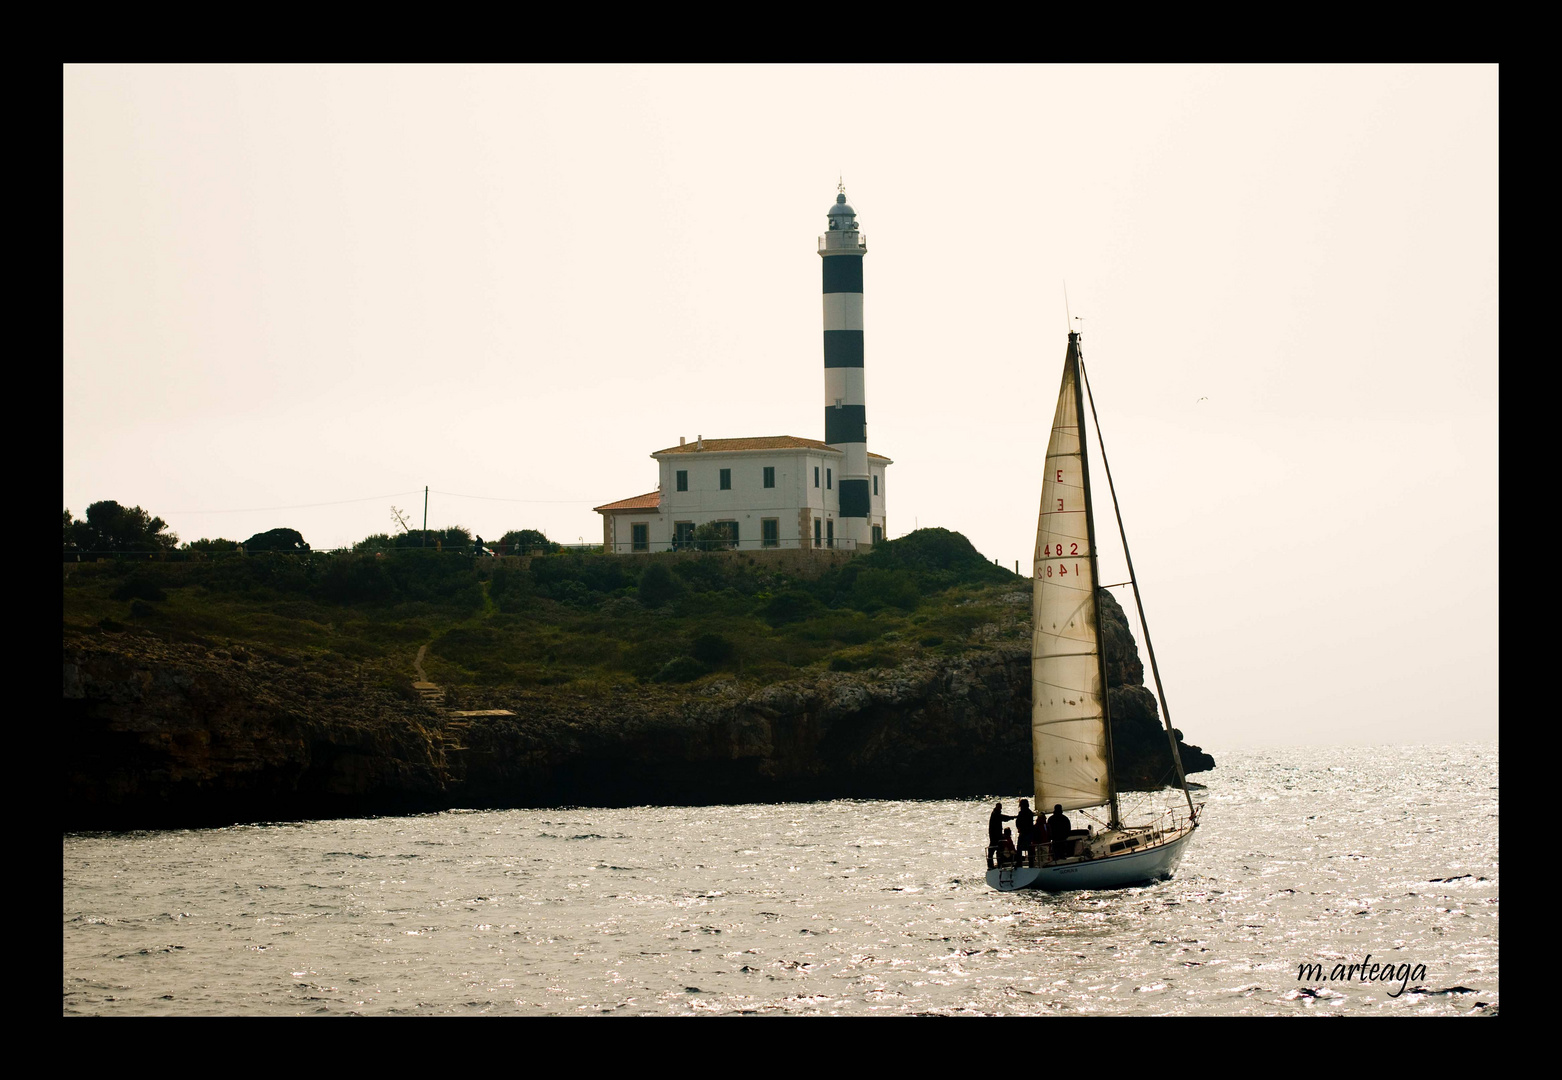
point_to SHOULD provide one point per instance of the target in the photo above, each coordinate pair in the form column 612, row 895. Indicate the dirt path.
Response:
column 428, row 691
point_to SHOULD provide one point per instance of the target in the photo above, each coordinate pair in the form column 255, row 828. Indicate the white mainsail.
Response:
column 1068, row 728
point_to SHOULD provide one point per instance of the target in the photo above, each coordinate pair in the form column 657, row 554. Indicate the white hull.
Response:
column 1111, row 872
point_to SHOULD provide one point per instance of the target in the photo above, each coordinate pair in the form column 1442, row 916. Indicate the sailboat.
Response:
column 1071, row 726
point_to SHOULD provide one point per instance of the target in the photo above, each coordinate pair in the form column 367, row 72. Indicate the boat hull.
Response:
column 1112, row 872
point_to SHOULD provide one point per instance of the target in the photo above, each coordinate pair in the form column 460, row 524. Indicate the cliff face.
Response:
column 161, row 734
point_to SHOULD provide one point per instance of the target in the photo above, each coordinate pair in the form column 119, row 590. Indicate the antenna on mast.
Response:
column 1067, row 314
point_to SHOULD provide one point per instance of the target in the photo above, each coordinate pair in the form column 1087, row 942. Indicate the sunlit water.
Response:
column 851, row 908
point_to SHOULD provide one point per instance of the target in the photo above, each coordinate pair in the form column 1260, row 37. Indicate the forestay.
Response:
column 1068, row 732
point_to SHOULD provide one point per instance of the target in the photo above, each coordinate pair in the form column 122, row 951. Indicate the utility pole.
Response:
column 424, row 542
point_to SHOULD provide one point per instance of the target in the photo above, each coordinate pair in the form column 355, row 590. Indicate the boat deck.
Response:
column 1103, row 845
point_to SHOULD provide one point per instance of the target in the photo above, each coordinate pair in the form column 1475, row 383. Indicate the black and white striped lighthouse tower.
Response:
column 845, row 416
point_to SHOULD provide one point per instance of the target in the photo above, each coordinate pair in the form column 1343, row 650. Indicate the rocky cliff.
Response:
column 164, row 734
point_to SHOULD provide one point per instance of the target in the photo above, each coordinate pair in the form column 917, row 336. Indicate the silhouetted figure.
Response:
column 995, row 833
column 1025, row 831
column 1058, row 827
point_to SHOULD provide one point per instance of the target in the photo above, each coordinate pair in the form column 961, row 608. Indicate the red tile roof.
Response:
column 649, row 501
column 763, row 442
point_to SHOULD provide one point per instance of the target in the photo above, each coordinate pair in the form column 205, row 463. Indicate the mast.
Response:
column 1144, row 625
column 1095, row 576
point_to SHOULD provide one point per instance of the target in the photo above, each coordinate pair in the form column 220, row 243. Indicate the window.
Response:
column 770, row 531
column 875, row 483
column 878, row 534
column 829, row 533
column 816, row 476
column 639, row 537
column 726, row 479
column 818, row 534
column 829, row 477
column 683, row 535
column 770, row 476
column 683, row 479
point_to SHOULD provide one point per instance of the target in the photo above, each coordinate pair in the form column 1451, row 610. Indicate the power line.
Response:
column 490, row 498
column 376, row 498
column 298, row 506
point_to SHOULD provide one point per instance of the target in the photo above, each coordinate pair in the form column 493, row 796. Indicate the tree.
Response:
column 526, row 542
column 714, row 536
column 204, row 546
column 454, row 538
column 374, row 544
column 109, row 526
column 276, row 540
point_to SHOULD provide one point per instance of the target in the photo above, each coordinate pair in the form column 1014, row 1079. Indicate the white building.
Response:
column 779, row 491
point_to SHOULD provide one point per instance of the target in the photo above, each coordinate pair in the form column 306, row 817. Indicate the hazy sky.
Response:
column 294, row 296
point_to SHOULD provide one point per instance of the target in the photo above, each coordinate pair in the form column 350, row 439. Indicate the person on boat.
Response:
column 1025, row 830
column 1058, row 827
column 995, row 833
column 1007, row 853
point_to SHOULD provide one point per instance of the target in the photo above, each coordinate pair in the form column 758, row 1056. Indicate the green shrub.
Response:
column 139, row 587
column 793, row 605
column 658, row 586
column 680, row 669
column 885, row 588
column 711, row 649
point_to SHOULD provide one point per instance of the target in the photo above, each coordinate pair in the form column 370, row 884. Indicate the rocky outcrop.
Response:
column 164, row 734
column 160, row 734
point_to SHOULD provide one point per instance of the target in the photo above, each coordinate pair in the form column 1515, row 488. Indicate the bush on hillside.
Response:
column 658, row 586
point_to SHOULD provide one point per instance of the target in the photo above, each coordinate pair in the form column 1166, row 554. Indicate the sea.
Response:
column 1324, row 881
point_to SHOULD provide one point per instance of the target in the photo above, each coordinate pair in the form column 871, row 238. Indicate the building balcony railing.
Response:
column 630, row 547
column 837, row 241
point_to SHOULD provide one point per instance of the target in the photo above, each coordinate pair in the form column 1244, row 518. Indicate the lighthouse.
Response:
column 776, row 491
column 845, row 418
